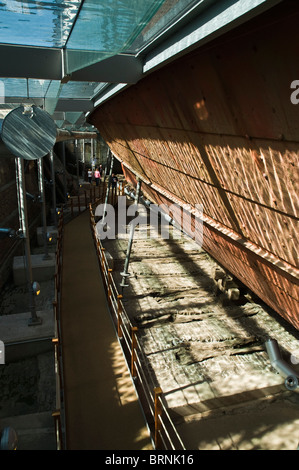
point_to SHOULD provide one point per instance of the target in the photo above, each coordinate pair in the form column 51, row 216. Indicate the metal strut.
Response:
column 53, row 188
column 125, row 273
column 23, row 219
column 108, row 186
column 42, row 200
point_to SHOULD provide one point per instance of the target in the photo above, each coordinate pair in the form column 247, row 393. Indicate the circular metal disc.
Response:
column 29, row 132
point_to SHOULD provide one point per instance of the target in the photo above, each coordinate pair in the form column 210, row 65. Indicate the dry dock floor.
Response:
column 207, row 354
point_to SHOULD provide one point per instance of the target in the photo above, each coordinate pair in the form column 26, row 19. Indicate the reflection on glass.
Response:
column 37, row 23
column 104, row 29
column 170, row 12
column 34, row 88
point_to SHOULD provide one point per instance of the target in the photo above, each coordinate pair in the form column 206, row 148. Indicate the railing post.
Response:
column 55, row 313
column 109, row 284
column 57, row 419
column 98, row 246
column 103, row 260
column 91, row 215
column 158, row 413
column 55, row 342
column 72, row 208
column 133, row 352
column 119, row 331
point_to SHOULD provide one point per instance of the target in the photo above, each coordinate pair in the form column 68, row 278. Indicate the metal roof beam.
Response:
column 47, row 64
column 121, row 68
column 30, row 62
column 73, row 105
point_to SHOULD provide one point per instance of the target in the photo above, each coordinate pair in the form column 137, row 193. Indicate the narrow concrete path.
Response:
column 102, row 410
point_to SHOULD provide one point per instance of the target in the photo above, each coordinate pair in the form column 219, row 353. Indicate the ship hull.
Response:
column 218, row 127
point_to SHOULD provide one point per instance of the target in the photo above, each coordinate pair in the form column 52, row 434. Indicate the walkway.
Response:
column 102, row 410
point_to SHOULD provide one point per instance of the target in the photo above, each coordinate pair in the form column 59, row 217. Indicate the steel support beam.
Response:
column 53, row 188
column 47, row 64
column 40, row 166
column 30, row 62
column 23, row 219
column 121, row 68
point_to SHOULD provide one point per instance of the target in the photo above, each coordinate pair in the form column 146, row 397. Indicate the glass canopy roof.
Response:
column 33, row 88
column 92, row 25
column 86, row 31
column 44, row 23
column 61, row 54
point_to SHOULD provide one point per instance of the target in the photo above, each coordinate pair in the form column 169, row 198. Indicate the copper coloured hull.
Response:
column 218, row 128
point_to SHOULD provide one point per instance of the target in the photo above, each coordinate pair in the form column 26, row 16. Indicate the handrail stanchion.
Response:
column 133, row 352
column 119, row 308
column 57, row 420
column 98, row 248
column 103, row 259
column 109, row 285
column 158, row 412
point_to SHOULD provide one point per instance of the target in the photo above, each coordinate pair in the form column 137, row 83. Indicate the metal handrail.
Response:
column 151, row 397
column 58, row 413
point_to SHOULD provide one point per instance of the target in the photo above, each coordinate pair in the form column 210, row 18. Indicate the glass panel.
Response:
column 38, row 88
column 72, row 117
column 44, row 23
column 78, row 90
column 49, row 90
column 59, row 123
column 52, row 96
column 45, row 93
column 105, row 28
column 170, row 12
column 14, row 87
